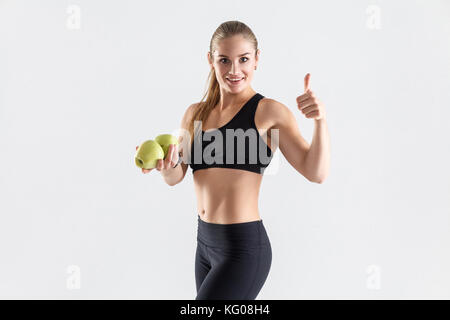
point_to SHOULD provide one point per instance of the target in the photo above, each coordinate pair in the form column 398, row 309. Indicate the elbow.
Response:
column 315, row 181
column 311, row 178
column 172, row 184
column 318, row 179
column 175, row 183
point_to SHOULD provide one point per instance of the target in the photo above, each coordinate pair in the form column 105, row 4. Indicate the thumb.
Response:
column 307, row 82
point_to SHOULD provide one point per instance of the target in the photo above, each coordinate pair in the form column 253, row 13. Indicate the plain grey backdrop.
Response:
column 82, row 83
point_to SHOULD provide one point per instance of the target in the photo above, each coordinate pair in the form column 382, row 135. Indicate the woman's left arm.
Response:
column 317, row 158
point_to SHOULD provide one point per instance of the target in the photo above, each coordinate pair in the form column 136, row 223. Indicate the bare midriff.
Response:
column 226, row 195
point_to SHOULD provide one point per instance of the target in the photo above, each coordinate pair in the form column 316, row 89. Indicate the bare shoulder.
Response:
column 272, row 105
column 271, row 112
column 192, row 108
column 188, row 113
column 185, row 122
column 194, row 105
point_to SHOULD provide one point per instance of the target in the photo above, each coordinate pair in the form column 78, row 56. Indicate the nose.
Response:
column 234, row 69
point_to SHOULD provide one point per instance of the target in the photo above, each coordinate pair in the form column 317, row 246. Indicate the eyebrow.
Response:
column 222, row 55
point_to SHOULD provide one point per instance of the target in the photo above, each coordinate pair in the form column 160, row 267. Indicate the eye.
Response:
column 227, row 59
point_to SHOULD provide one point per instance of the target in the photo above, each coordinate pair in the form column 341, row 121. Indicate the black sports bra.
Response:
column 251, row 153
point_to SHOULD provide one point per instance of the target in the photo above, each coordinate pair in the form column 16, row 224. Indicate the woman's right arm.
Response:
column 173, row 176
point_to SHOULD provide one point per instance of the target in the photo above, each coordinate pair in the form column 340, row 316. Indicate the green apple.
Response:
column 148, row 154
column 165, row 140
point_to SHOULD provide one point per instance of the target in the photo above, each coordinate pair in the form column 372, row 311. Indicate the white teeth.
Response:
column 235, row 80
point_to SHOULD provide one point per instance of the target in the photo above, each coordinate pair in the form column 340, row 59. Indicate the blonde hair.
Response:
column 225, row 30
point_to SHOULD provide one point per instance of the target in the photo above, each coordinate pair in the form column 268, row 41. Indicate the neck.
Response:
column 234, row 100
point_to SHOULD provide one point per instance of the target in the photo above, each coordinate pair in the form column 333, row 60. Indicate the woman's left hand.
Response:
column 308, row 104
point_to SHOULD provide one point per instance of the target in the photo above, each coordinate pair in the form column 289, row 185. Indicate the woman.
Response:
column 233, row 255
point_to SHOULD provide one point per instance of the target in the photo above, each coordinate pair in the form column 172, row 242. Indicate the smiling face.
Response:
column 234, row 58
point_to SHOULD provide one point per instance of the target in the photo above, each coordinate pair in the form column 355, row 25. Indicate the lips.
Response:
column 235, row 82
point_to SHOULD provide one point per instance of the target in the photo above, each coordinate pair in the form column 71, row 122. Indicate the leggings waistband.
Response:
column 245, row 234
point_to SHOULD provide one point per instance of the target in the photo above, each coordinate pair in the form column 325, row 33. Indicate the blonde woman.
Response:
column 231, row 138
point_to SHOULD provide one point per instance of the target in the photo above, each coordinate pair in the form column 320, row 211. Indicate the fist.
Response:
column 308, row 103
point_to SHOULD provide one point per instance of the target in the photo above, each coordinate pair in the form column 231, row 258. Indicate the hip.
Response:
column 234, row 235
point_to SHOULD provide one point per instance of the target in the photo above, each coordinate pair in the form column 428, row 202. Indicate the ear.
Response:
column 210, row 59
column 257, row 57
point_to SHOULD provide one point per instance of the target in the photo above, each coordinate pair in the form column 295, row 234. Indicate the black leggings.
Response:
column 232, row 261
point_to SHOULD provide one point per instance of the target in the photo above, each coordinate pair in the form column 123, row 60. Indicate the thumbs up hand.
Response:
column 308, row 104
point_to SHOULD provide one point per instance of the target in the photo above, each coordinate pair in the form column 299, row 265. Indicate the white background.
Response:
column 75, row 102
